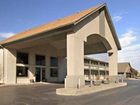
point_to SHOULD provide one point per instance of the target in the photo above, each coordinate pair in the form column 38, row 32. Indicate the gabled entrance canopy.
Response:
column 88, row 32
column 64, row 25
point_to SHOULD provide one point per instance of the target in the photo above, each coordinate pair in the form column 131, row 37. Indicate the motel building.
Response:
column 125, row 69
column 54, row 52
column 95, row 69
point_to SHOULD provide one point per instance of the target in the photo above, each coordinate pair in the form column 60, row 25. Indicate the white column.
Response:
column 1, row 66
column 9, row 66
column 99, row 70
column 105, row 71
column 113, row 65
column 90, row 73
column 75, row 62
column 32, row 66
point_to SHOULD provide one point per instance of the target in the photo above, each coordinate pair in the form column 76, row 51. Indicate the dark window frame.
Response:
column 23, row 70
column 22, row 58
column 53, row 72
column 53, row 63
column 42, row 63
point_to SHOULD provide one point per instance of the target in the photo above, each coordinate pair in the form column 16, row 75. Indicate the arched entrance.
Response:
column 95, row 69
column 76, row 49
column 95, row 43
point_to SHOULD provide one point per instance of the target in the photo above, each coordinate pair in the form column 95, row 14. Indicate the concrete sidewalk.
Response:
column 28, row 84
column 88, row 90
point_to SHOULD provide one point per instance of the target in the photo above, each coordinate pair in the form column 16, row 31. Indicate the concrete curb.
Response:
column 27, row 84
column 88, row 90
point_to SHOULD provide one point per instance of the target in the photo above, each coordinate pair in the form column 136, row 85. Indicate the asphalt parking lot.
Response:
column 44, row 94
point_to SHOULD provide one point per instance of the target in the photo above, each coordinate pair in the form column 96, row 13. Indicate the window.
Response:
column 54, row 72
column 86, row 61
column 22, row 71
column 54, row 61
column 40, row 60
column 86, row 72
column 22, row 58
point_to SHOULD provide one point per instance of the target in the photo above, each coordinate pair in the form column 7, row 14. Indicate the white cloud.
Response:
column 130, row 53
column 117, row 18
column 6, row 35
column 127, row 38
column 130, row 49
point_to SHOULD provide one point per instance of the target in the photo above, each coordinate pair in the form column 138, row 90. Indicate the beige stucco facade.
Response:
column 91, row 34
column 10, row 65
column 1, row 65
column 76, row 49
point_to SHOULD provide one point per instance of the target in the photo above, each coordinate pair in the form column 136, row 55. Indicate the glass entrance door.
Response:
column 43, row 73
column 40, row 74
column 40, row 68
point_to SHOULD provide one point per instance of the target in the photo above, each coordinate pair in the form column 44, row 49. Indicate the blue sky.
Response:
column 19, row 15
